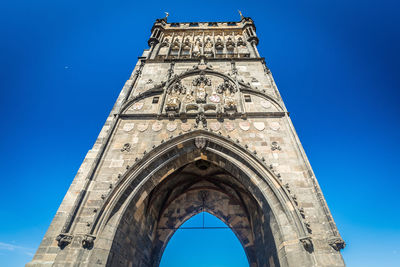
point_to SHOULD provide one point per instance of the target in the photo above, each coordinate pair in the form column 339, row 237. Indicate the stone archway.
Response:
column 186, row 175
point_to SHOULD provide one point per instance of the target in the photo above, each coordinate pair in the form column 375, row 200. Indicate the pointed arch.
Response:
column 274, row 223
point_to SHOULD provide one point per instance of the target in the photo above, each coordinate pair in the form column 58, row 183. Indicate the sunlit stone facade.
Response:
column 199, row 126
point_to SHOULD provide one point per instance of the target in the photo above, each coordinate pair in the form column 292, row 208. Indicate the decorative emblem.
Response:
column 275, row 126
column 201, row 118
column 157, row 126
column 137, row 106
column 128, row 126
column 142, row 127
column 229, row 126
column 215, row 98
column 259, row 125
column 177, row 88
column 215, row 126
column 226, row 86
column 126, row 147
column 275, row 146
column 171, row 126
column 265, row 104
column 200, row 142
column 186, row 126
column 244, row 125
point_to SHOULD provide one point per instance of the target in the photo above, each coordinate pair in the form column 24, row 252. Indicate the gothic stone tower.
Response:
column 199, row 126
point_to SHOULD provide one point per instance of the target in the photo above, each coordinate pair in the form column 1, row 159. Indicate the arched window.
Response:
column 204, row 240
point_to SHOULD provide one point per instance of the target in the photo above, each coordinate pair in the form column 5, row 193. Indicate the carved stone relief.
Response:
column 171, row 126
column 157, row 126
column 173, row 103
column 201, row 82
column 142, row 127
column 128, row 127
column 229, row 126
column 274, row 126
column 259, row 125
column 215, row 126
column 265, row 104
column 244, row 125
column 137, row 106
column 186, row 126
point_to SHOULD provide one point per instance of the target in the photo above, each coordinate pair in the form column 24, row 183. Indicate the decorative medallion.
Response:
column 200, row 142
column 157, row 126
column 186, row 126
column 171, row 126
column 128, row 127
column 142, row 127
column 265, row 104
column 215, row 98
column 126, row 147
column 275, row 126
column 244, row 125
column 215, row 126
column 275, row 146
column 259, row 125
column 229, row 126
column 137, row 106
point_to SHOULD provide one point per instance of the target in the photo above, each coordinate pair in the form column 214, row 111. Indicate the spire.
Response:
column 240, row 13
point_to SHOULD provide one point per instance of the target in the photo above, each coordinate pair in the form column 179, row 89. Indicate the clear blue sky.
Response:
column 336, row 63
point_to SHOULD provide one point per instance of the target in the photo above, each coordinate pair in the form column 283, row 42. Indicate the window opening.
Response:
column 155, row 99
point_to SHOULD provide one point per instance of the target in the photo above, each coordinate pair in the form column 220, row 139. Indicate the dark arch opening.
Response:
column 204, row 240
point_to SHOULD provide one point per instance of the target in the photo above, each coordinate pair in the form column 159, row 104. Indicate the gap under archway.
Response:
column 204, row 240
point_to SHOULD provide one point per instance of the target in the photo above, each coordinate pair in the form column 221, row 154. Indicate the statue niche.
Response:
column 164, row 47
column 173, row 102
column 201, row 82
column 242, row 48
column 197, row 48
column 208, row 48
column 229, row 91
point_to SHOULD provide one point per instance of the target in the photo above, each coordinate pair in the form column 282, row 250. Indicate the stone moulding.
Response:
column 140, row 165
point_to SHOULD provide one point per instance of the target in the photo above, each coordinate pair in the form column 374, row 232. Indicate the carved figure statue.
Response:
column 164, row 47
column 173, row 102
column 196, row 49
column 201, row 94
column 208, row 48
column 229, row 101
column 201, row 82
